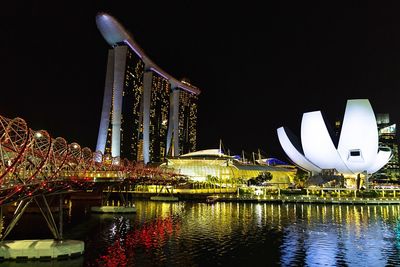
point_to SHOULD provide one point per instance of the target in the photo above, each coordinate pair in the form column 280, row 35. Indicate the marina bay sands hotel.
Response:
column 147, row 114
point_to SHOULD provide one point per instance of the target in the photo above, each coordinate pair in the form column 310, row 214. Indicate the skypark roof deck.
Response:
column 114, row 33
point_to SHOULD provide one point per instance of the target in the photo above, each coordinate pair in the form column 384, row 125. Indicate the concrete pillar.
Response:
column 147, row 82
column 170, row 124
column 118, row 85
column 107, row 99
column 175, row 122
column 366, row 181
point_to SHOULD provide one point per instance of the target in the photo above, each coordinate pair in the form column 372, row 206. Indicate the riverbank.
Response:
column 310, row 199
column 233, row 197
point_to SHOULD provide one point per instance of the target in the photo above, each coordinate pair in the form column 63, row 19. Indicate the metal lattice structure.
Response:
column 33, row 163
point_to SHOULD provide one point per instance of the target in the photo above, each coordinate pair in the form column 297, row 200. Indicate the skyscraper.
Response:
column 388, row 138
column 146, row 112
column 187, row 122
column 159, row 111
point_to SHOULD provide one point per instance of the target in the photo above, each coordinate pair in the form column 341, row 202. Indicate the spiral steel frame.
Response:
column 34, row 163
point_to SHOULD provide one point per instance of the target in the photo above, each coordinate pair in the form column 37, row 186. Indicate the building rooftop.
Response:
column 205, row 153
column 114, row 33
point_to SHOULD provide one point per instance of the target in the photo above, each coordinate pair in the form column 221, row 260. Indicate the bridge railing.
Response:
column 32, row 162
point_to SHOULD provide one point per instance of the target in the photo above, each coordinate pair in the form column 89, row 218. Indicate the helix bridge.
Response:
column 34, row 165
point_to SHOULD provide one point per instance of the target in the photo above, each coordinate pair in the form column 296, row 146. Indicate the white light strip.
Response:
column 317, row 143
column 293, row 153
column 382, row 158
column 359, row 132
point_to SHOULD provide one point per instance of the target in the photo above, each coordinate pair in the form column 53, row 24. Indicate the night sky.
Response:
column 259, row 67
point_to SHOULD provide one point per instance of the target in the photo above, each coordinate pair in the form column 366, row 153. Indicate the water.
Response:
column 228, row 234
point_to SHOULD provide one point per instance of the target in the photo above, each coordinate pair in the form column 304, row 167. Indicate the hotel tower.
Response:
column 147, row 114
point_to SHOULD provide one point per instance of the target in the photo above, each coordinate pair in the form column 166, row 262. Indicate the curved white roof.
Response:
column 357, row 151
column 205, row 153
column 316, row 141
column 293, row 153
column 114, row 33
column 359, row 133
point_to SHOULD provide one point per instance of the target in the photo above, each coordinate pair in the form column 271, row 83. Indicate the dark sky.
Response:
column 259, row 67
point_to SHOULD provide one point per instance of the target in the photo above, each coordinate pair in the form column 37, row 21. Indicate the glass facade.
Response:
column 107, row 150
column 132, row 96
column 227, row 170
column 388, row 138
column 135, row 118
column 159, row 114
column 131, row 111
column 187, row 122
column 139, row 118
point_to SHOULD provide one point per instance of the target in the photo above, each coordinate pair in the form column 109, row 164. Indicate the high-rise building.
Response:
column 187, row 122
column 388, row 138
column 159, row 112
column 122, row 103
column 146, row 112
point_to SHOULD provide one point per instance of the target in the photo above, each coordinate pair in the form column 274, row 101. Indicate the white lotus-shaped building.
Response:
column 356, row 151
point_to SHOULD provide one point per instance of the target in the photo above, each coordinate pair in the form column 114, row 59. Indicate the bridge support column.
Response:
column 60, row 216
column 48, row 216
column 123, row 208
column 46, row 212
column 23, row 204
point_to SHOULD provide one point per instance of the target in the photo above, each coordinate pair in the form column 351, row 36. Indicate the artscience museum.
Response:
column 353, row 152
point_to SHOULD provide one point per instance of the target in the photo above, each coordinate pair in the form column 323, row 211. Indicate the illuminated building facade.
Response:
column 187, row 122
column 388, row 138
column 147, row 114
column 357, row 151
column 159, row 112
column 130, row 113
column 201, row 165
column 121, row 114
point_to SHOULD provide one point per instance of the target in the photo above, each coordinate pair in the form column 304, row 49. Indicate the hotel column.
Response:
column 170, row 124
column 107, row 98
column 147, row 82
column 118, row 85
column 175, row 120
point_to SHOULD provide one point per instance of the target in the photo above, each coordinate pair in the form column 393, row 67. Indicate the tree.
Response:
column 300, row 178
column 261, row 179
column 265, row 177
column 252, row 181
column 212, row 179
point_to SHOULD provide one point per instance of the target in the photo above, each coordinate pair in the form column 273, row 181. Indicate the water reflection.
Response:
column 334, row 235
column 237, row 234
column 232, row 234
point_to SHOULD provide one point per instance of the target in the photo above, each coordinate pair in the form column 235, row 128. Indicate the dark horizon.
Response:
column 258, row 68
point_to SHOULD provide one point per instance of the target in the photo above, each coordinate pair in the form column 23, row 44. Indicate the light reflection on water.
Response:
column 239, row 234
column 342, row 235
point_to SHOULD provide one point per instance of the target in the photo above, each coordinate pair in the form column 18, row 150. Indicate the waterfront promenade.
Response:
column 382, row 196
column 309, row 199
